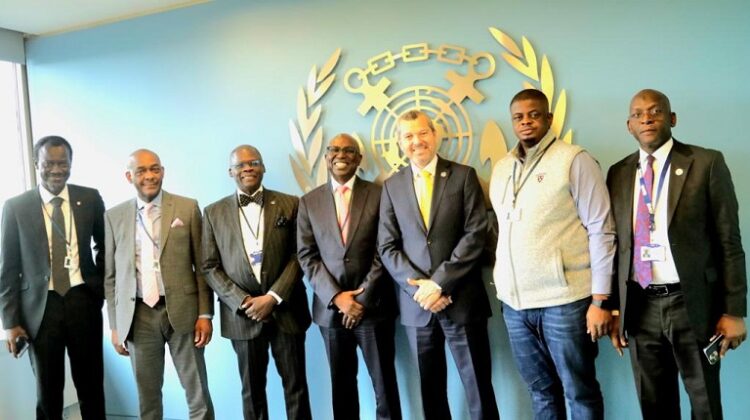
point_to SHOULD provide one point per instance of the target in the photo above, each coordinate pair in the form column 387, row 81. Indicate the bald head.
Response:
column 246, row 148
column 145, row 173
column 651, row 119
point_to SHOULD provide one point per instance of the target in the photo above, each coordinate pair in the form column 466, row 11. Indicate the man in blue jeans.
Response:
column 554, row 256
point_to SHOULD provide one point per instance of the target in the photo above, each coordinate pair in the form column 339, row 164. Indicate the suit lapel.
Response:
column 626, row 204
column 442, row 173
column 326, row 207
column 270, row 213
column 76, row 209
column 357, row 205
column 406, row 181
column 167, row 214
column 680, row 169
column 37, row 224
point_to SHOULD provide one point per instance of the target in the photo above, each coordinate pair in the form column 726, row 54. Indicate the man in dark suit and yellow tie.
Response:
column 156, row 293
column 681, row 268
column 51, row 282
column 250, row 260
column 432, row 232
column 354, row 301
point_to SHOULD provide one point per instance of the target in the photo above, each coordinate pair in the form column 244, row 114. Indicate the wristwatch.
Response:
column 598, row 303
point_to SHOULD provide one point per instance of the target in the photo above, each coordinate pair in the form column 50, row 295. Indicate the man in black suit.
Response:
column 354, row 302
column 681, row 267
column 51, row 289
column 432, row 233
column 249, row 259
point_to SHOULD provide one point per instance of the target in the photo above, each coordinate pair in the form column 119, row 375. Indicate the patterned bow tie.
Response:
column 256, row 198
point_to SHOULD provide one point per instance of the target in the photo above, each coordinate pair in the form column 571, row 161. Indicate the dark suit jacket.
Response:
column 447, row 253
column 332, row 267
column 228, row 270
column 25, row 262
column 186, row 291
column 703, row 234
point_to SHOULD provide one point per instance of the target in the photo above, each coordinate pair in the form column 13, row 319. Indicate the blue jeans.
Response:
column 555, row 357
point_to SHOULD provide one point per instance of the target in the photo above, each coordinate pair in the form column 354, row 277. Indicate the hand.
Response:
column 349, row 306
column 441, row 303
column 733, row 328
column 120, row 348
column 12, row 334
column 426, row 288
column 598, row 322
column 258, row 308
column 349, row 322
column 203, row 331
column 619, row 342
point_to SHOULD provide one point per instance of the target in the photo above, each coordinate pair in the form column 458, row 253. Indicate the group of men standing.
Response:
column 651, row 258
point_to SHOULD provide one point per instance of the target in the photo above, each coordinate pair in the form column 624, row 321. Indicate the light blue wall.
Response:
column 193, row 83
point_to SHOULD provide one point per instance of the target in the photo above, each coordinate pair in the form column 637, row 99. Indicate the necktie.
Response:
column 148, row 273
column 256, row 198
column 642, row 234
column 342, row 203
column 60, row 275
column 425, row 199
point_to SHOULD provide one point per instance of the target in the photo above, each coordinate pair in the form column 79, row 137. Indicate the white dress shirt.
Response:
column 71, row 238
column 142, row 240
column 663, row 271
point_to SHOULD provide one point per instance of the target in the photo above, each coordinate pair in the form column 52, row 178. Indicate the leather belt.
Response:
column 662, row 290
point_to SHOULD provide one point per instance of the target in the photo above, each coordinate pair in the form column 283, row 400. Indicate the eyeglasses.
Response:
column 257, row 163
column 349, row 150
column 652, row 112
column 48, row 164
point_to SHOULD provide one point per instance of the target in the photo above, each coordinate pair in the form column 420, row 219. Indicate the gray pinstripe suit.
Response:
column 229, row 273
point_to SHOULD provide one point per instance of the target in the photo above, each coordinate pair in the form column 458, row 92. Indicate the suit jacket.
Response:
column 448, row 252
column 331, row 266
column 703, row 234
column 228, row 270
column 186, row 292
column 25, row 262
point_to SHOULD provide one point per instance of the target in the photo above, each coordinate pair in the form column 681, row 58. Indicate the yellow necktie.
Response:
column 425, row 199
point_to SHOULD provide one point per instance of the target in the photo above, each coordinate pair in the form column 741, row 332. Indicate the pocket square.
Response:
column 176, row 223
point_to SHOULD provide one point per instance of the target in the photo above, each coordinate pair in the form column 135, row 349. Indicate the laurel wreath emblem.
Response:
column 307, row 140
column 525, row 62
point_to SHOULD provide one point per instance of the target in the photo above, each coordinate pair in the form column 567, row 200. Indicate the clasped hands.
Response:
column 258, row 308
column 352, row 310
column 429, row 295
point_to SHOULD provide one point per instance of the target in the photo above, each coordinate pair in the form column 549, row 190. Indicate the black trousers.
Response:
column 72, row 322
column 663, row 345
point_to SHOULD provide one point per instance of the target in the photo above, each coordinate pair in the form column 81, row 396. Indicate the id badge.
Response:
column 256, row 258
column 653, row 252
column 68, row 262
column 514, row 215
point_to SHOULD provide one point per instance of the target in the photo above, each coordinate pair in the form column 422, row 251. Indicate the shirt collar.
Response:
column 430, row 167
column 48, row 196
column 350, row 183
column 156, row 201
column 660, row 154
column 258, row 191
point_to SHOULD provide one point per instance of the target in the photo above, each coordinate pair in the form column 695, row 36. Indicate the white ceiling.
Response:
column 48, row 17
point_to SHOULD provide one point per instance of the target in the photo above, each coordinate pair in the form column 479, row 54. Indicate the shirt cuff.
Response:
column 601, row 284
column 275, row 296
column 206, row 316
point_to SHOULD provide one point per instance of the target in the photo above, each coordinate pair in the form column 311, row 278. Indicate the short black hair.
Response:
column 533, row 94
column 51, row 141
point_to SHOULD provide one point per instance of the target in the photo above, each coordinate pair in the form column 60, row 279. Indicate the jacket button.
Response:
column 132, row 299
column 347, row 260
column 429, row 243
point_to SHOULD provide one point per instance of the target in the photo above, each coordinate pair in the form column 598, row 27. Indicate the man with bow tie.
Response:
column 156, row 293
column 250, row 260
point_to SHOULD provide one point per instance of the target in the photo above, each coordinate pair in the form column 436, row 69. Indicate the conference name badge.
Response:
column 653, row 252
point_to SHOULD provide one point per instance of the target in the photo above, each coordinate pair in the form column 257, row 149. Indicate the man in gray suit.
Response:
column 51, row 281
column 250, row 260
column 354, row 302
column 155, row 291
column 432, row 232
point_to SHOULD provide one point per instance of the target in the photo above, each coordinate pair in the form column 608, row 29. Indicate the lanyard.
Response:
column 143, row 226
column 61, row 229
column 651, row 204
column 516, row 186
column 255, row 232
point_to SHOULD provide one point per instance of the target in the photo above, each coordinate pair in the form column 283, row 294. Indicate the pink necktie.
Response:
column 148, row 273
column 642, row 234
column 343, row 205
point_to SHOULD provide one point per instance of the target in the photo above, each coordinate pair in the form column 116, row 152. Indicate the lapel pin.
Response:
column 273, row 201
column 78, row 203
column 678, row 172
column 443, row 174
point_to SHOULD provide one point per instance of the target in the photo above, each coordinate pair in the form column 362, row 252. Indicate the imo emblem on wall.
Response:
column 445, row 105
